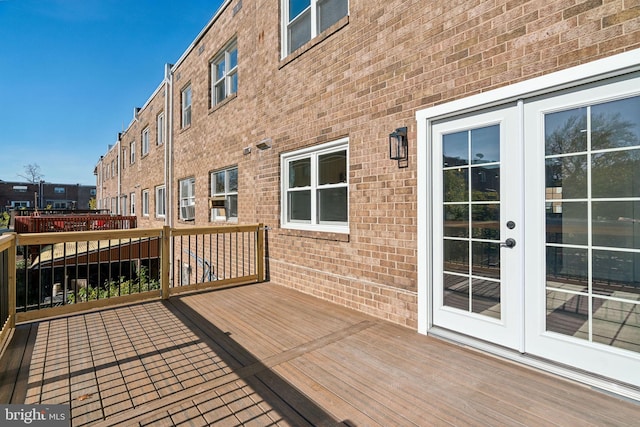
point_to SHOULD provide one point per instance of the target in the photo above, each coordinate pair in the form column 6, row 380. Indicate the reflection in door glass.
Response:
column 592, row 204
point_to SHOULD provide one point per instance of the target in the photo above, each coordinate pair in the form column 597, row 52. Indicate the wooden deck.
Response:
column 265, row 355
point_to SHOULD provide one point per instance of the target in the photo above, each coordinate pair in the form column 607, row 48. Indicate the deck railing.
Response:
column 49, row 274
column 58, row 223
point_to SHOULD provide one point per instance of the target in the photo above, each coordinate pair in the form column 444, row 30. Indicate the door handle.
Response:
column 509, row 243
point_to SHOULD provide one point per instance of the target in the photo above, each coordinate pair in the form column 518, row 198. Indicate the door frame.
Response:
column 594, row 71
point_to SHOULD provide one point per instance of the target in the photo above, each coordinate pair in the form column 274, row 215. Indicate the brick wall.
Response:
column 364, row 77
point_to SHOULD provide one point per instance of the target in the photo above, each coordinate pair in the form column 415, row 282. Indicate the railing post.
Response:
column 11, row 259
column 260, row 253
column 165, row 261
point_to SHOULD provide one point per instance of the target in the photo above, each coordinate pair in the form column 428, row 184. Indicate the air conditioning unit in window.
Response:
column 188, row 212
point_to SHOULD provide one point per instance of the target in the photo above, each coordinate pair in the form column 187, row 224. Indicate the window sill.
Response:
column 317, row 235
column 314, row 41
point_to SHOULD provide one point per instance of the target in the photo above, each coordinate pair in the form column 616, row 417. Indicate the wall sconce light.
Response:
column 399, row 147
column 264, row 144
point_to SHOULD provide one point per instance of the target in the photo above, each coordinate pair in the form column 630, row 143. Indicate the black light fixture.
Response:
column 399, row 147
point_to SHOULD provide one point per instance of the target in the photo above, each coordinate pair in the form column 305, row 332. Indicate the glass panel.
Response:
column 567, row 223
column 567, row 268
column 332, row 205
column 220, row 92
column 566, row 131
column 616, row 174
column 300, row 173
column 615, row 124
column 485, row 183
column 486, row 221
column 616, row 224
column 456, row 291
column 330, row 12
column 233, row 58
column 232, row 175
column 300, row 206
column 456, row 221
column 297, row 6
column 616, row 272
column 455, row 149
column 234, row 83
column 332, row 168
column 300, row 32
column 568, row 314
column 456, row 256
column 616, row 323
column 456, row 185
column 485, row 144
column 485, row 298
column 486, row 259
column 232, row 202
column 219, row 182
column 567, row 176
column 220, row 69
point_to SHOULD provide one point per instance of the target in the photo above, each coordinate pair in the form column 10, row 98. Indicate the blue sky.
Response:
column 72, row 71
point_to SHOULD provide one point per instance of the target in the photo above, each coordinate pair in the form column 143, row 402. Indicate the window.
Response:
column 224, row 74
column 305, row 19
column 20, row 188
column 188, row 199
column 315, row 192
column 124, row 156
column 132, row 151
column 161, row 209
column 186, row 107
column 145, row 202
column 19, row 204
column 92, row 192
column 160, row 129
column 132, row 203
column 224, row 195
column 58, row 190
column 145, row 141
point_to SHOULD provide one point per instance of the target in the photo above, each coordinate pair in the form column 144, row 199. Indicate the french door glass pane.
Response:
column 566, row 131
column 456, row 220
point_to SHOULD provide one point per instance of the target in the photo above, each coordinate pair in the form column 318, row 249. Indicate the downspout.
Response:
column 119, row 189
column 168, row 146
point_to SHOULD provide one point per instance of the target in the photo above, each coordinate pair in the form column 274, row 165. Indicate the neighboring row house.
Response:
column 44, row 195
column 468, row 169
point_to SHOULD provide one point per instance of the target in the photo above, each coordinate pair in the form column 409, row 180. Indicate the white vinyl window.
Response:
column 160, row 129
column 60, row 190
column 315, row 193
column 145, row 202
column 132, row 203
column 224, row 195
column 161, row 209
column 132, row 151
column 305, row 19
column 188, row 199
column 224, row 73
column 186, row 107
column 145, row 141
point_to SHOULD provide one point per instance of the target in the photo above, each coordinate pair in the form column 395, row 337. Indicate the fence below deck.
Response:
column 63, row 272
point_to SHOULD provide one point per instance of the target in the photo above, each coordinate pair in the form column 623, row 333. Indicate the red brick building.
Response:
column 501, row 226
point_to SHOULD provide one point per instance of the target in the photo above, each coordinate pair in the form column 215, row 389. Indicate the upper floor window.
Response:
column 305, row 19
column 161, row 209
column 58, row 190
column 20, row 188
column 224, row 195
column 145, row 141
column 145, row 202
column 132, row 151
column 188, row 199
column 160, row 129
column 224, row 73
column 315, row 194
column 186, row 106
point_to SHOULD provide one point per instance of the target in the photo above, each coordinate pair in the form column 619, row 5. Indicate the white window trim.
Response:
column 161, row 213
column 145, row 141
column 160, row 129
column 132, row 152
column 145, row 202
column 132, row 203
column 187, row 201
column 314, row 152
column 224, row 194
column 226, row 79
column 186, row 108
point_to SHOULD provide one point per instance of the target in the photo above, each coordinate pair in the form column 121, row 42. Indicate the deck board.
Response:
column 267, row 355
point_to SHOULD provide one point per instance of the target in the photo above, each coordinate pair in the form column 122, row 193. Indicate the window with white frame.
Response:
column 224, row 195
column 58, row 190
column 186, row 106
column 124, row 156
column 19, row 204
column 315, row 194
column 161, row 209
column 188, row 199
column 132, row 152
column 145, row 202
column 160, row 129
column 145, row 141
column 224, row 73
column 132, row 203
column 305, row 19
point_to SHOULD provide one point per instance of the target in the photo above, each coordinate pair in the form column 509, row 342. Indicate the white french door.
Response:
column 477, row 226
